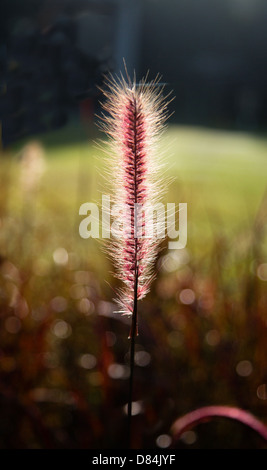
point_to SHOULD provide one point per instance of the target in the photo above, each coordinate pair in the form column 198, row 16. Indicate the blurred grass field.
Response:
column 221, row 175
column 202, row 341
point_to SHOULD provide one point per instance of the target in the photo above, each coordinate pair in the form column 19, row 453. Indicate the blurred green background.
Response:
column 202, row 330
column 64, row 353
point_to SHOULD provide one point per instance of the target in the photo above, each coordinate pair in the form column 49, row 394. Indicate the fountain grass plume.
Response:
column 134, row 116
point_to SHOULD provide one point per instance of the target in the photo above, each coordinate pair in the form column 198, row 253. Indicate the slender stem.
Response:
column 134, row 315
column 132, row 353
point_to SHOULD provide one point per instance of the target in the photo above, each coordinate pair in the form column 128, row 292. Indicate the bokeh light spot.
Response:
column 142, row 358
column 137, row 408
column 163, row 441
column 59, row 304
column 189, row 437
column 77, row 291
column 87, row 361
column 118, row 371
column 262, row 392
column 187, row 296
column 61, row 256
column 85, row 306
column 212, row 337
column 61, row 329
column 262, row 272
column 105, row 308
column 22, row 308
column 172, row 261
column 10, row 272
column 244, row 368
column 13, row 325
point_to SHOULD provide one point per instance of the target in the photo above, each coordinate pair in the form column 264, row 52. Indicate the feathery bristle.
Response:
column 133, row 118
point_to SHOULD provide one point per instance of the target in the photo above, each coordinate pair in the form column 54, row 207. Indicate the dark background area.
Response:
column 53, row 54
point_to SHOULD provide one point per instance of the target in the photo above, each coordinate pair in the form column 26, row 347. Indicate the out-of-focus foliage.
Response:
column 64, row 363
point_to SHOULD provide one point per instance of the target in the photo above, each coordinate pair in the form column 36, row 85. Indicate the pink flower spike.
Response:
column 133, row 118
